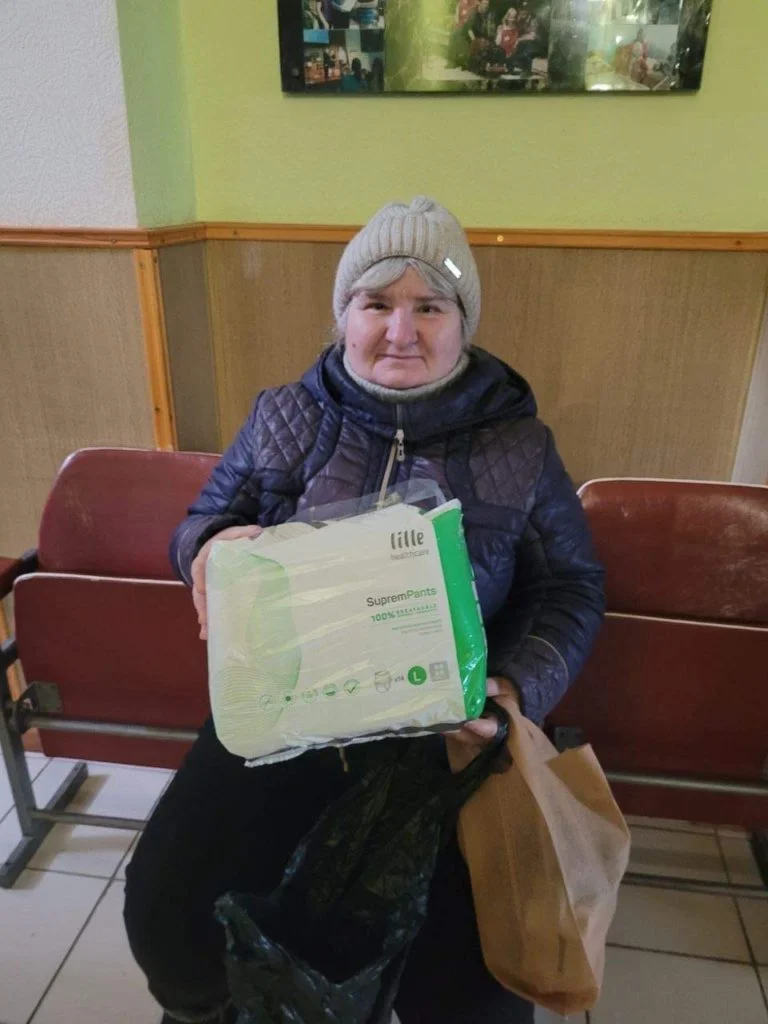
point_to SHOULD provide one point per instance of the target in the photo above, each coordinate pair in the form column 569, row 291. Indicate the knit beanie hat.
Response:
column 424, row 231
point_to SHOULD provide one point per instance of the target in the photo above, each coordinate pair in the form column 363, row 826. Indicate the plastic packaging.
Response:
column 334, row 633
column 329, row 944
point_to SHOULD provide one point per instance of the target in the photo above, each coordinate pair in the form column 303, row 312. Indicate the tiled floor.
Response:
column 63, row 954
column 677, row 957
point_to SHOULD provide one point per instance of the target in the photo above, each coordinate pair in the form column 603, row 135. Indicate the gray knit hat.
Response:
column 425, row 231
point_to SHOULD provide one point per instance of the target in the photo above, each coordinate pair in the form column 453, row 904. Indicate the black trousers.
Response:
column 222, row 826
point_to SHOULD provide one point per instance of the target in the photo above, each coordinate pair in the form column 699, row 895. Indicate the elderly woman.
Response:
column 401, row 396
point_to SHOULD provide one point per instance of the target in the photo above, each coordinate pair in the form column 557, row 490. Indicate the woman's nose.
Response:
column 401, row 327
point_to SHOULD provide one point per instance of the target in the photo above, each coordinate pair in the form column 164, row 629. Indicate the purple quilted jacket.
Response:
column 324, row 439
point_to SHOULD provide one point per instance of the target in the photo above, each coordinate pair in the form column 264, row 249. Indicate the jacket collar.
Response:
column 488, row 391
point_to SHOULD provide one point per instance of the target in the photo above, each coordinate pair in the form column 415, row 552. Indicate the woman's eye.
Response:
column 378, row 306
column 429, row 309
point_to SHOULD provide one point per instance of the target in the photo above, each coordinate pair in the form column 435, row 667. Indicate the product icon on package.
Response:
column 352, row 686
column 382, row 681
column 417, row 675
column 439, row 671
column 330, row 690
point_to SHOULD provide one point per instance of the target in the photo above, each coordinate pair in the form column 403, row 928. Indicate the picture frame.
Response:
column 492, row 47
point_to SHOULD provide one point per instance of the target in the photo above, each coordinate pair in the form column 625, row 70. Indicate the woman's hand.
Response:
column 198, row 570
column 481, row 731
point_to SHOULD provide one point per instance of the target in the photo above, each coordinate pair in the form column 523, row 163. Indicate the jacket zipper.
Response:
column 396, row 453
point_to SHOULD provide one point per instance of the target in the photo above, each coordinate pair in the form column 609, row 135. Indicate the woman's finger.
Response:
column 201, row 607
column 197, row 569
column 477, row 733
column 484, row 728
column 202, row 617
column 465, row 738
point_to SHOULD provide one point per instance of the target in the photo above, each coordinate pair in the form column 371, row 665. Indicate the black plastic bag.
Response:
column 329, row 944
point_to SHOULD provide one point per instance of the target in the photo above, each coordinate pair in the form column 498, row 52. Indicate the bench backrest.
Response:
column 677, row 682
column 111, row 511
column 694, row 550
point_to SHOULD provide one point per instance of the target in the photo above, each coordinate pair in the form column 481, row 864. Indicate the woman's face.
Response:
column 403, row 336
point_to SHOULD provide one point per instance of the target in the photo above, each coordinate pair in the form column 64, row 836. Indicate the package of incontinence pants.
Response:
column 354, row 630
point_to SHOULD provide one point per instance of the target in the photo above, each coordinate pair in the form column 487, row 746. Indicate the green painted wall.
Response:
column 158, row 122
column 690, row 162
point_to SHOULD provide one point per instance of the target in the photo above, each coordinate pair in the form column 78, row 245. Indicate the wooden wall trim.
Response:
column 519, row 238
column 225, row 231
column 78, row 238
column 535, row 238
column 684, row 241
column 103, row 238
column 156, row 348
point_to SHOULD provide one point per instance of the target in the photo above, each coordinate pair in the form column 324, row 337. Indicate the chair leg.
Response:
column 33, row 829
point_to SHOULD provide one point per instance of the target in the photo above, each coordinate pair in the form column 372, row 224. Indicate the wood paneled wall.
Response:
column 183, row 274
column 270, row 314
column 72, row 371
column 641, row 361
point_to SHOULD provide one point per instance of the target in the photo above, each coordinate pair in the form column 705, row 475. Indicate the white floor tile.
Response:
column 755, row 916
column 660, row 988
column 120, row 789
column 91, row 850
column 82, row 850
column 120, row 873
column 679, row 922
column 100, row 981
column 742, row 867
column 676, row 854
column 39, row 921
column 35, row 763
column 45, row 785
column 670, row 824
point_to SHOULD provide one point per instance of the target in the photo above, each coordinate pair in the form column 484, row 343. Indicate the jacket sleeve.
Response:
column 230, row 498
column 541, row 637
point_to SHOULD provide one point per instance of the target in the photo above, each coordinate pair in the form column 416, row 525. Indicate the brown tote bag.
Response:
column 546, row 846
